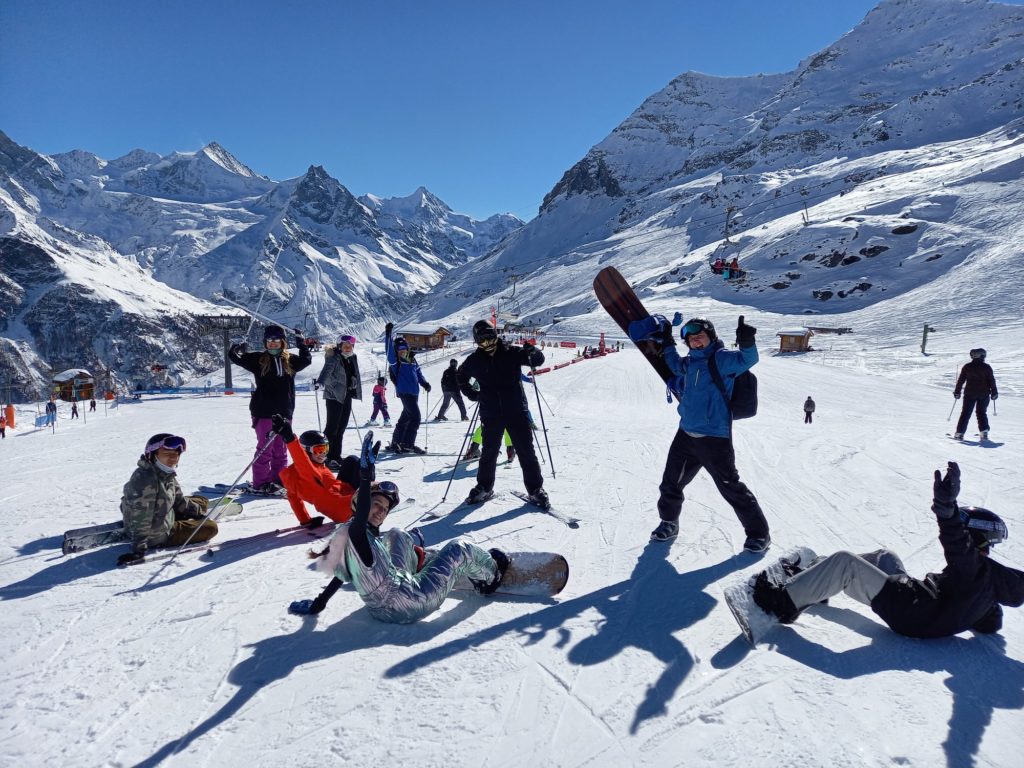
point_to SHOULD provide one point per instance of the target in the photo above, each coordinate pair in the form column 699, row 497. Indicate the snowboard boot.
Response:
column 540, row 498
column 665, row 531
column 772, row 598
column 757, row 544
column 501, row 565
column 958, row 435
column 510, row 452
column 479, row 495
column 472, row 453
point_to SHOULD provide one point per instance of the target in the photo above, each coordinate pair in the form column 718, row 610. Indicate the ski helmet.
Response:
column 384, row 488
column 978, row 354
column 401, row 343
column 312, row 438
column 347, row 338
column 273, row 332
column 163, row 440
column 381, row 380
column 985, row 527
column 695, row 325
column 483, row 332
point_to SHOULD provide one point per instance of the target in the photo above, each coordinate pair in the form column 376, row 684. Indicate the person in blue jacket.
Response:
column 704, row 438
column 408, row 378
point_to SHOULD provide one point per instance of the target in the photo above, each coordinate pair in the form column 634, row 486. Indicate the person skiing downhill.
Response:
column 274, row 372
column 308, row 478
column 155, row 511
column 977, row 382
column 339, row 379
column 395, row 577
column 408, row 378
column 496, row 367
column 704, row 437
column 967, row 594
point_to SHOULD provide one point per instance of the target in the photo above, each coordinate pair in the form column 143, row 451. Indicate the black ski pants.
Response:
column 409, row 422
column 686, row 457
column 518, row 426
column 978, row 405
column 808, row 417
column 338, row 415
column 449, row 395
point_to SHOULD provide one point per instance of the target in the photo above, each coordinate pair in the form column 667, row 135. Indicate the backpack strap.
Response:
column 717, row 378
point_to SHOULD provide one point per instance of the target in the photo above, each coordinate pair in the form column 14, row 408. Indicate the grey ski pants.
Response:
column 859, row 576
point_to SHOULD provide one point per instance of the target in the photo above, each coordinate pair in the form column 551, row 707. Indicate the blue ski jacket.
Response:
column 702, row 409
column 406, row 374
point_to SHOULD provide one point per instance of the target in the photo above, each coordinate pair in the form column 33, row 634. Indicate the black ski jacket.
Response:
column 275, row 389
column 967, row 594
column 976, row 380
column 499, row 376
column 450, row 380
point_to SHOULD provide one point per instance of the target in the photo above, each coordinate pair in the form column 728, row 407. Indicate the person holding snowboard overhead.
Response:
column 307, row 478
column 496, row 368
column 340, row 382
column 155, row 512
column 978, row 384
column 408, row 378
column 967, row 594
column 397, row 580
column 274, row 372
column 704, row 437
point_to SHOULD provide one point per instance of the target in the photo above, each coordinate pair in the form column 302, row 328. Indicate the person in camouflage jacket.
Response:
column 155, row 511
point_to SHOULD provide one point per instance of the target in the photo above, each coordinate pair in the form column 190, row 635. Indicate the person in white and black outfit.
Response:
column 978, row 385
column 496, row 367
column 450, row 389
column 340, row 382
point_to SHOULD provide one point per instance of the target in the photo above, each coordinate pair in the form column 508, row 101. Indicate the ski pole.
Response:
column 540, row 450
column 550, row 409
column 472, row 426
column 426, row 427
column 260, row 452
column 951, row 411
column 544, row 426
column 316, row 397
column 355, row 423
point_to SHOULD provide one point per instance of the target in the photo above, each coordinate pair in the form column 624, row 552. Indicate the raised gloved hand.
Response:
column 282, row 427
column 368, row 458
column 945, row 490
column 314, row 522
column 745, row 333
column 654, row 328
column 389, row 328
column 239, row 349
column 131, row 558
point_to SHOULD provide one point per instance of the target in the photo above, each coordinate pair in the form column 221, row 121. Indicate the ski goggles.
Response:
column 388, row 490
column 320, row 449
column 693, row 328
column 347, row 339
column 171, row 442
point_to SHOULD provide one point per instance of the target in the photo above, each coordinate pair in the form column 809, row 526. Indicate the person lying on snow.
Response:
column 399, row 582
column 307, row 478
column 967, row 594
column 155, row 512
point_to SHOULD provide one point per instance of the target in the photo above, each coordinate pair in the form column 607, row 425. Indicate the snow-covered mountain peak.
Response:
column 323, row 199
column 136, row 158
column 227, row 161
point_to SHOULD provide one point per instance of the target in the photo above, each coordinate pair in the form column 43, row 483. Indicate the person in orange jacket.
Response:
column 307, row 478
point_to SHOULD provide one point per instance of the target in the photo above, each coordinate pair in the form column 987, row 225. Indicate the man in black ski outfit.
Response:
column 450, row 389
column 502, row 401
column 967, row 594
column 978, row 384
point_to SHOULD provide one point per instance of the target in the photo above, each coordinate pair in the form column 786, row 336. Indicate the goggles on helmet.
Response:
column 388, row 490
column 693, row 328
column 347, row 339
column 171, row 442
column 320, row 449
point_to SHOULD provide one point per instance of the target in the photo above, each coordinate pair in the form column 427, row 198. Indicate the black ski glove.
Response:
column 426, row 386
column 945, row 490
column 304, row 608
column 282, row 427
column 314, row 522
column 745, row 333
column 995, row 395
column 130, row 558
column 956, row 395
column 389, row 328
column 239, row 349
column 667, row 336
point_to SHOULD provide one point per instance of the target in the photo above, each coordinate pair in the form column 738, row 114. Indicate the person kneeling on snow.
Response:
column 399, row 582
column 155, row 512
column 307, row 478
column 967, row 594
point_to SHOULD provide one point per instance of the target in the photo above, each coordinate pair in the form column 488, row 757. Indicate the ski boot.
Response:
column 413, row 449
column 540, row 498
column 665, row 531
column 394, row 448
column 387, row 422
column 958, row 435
column 372, row 423
column 440, row 418
column 472, row 453
column 479, row 495
column 984, row 434
column 510, row 452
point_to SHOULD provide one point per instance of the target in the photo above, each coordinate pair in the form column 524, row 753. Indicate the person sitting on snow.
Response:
column 967, row 594
column 397, row 580
column 155, row 512
column 307, row 478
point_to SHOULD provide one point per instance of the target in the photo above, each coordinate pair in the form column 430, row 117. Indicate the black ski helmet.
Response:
column 384, row 488
column 273, row 332
column 978, row 354
column 483, row 331
column 312, row 437
column 695, row 325
column 162, row 440
column 985, row 526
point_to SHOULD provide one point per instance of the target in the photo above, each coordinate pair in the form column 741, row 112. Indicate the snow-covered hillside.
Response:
column 636, row 663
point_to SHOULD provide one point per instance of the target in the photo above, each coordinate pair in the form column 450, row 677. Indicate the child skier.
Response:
column 389, row 570
column 978, row 385
column 380, row 403
column 967, row 594
column 308, row 478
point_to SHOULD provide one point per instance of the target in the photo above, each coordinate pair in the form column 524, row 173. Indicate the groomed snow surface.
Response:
column 637, row 663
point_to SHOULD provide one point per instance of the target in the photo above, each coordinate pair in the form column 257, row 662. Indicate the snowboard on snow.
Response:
column 754, row 622
column 621, row 302
column 81, row 539
column 531, row 574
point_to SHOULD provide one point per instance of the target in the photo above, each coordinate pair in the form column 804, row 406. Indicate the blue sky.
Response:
column 485, row 103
